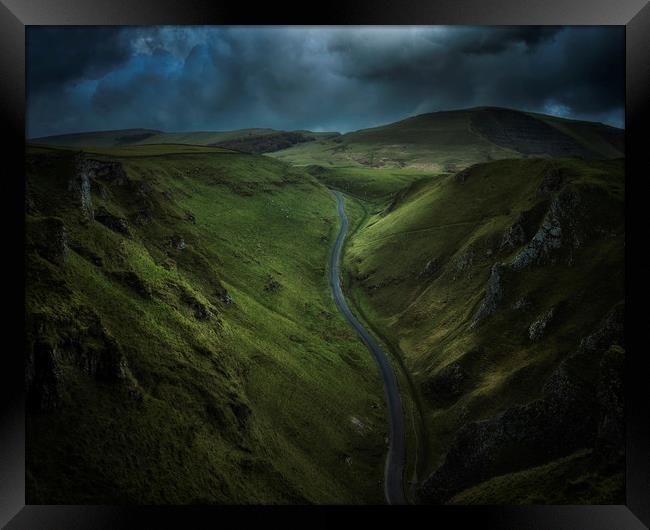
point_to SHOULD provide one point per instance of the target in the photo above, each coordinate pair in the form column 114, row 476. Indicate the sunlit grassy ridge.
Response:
column 243, row 384
column 452, row 140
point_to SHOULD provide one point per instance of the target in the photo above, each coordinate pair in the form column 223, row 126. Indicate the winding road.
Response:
column 393, row 488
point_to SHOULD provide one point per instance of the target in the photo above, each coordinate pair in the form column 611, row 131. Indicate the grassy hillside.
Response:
column 453, row 140
column 245, row 140
column 500, row 286
column 368, row 184
column 180, row 322
column 182, row 343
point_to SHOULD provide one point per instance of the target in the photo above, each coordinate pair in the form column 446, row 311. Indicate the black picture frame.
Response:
column 16, row 14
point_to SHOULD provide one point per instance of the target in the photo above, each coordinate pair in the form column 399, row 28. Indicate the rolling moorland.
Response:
column 180, row 322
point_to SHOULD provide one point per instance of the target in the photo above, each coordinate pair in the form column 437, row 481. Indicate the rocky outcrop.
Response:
column 523, row 228
column 112, row 222
column 609, row 332
column 551, row 182
column 463, row 263
column 558, row 229
column 79, row 184
column 43, row 376
column 53, row 344
column 131, row 280
column 50, row 239
column 30, row 204
column 462, row 176
column 611, row 428
column 177, row 242
column 514, row 236
column 200, row 310
column 272, row 285
column 225, row 298
column 538, row 328
column 569, row 416
column 493, row 295
column 522, row 436
column 97, row 353
column 430, row 269
column 522, row 304
column 111, row 172
column 88, row 254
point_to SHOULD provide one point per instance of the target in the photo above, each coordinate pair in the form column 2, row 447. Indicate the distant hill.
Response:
column 98, row 138
column 453, row 140
column 246, row 140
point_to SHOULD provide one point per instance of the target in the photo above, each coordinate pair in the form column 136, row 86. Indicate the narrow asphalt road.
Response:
column 394, row 468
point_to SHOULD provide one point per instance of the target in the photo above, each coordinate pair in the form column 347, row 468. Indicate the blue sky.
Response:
column 188, row 78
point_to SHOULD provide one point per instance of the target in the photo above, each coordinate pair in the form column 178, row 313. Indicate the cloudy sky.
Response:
column 190, row 78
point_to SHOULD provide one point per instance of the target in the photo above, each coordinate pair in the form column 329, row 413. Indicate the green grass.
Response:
column 170, row 432
column 428, row 319
column 135, row 137
column 368, row 184
column 254, row 403
column 437, row 142
column 592, row 481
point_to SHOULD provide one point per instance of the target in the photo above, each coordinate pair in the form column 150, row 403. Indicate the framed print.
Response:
column 373, row 255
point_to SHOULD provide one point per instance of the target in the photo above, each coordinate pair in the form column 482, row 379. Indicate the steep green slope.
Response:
column 182, row 342
column 368, row 184
column 500, row 285
column 453, row 140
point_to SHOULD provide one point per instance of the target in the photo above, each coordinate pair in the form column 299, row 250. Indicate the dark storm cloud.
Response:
column 60, row 55
column 482, row 42
column 200, row 78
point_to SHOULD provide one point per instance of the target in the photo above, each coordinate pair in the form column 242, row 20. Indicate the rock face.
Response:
column 558, row 229
column 611, row 429
column 538, row 328
column 50, row 239
column 108, row 171
column 430, row 269
column 552, row 182
column 53, row 344
column 112, row 222
column 226, row 298
column 569, row 416
column 43, row 376
column 131, row 280
column 177, row 242
column 493, row 295
column 201, row 312
column 463, row 263
column 30, row 205
column 97, row 353
column 85, row 171
column 523, row 228
column 514, row 237
column 79, row 184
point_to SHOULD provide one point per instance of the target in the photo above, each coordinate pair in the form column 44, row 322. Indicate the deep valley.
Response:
column 183, row 344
